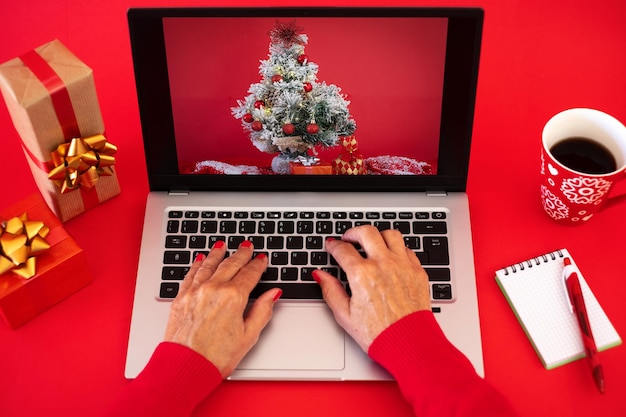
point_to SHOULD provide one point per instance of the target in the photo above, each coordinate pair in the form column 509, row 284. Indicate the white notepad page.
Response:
column 536, row 292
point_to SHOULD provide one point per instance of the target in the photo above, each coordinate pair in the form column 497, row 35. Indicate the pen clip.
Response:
column 568, row 270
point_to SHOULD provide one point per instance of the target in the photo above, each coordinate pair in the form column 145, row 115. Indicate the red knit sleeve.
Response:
column 173, row 383
column 435, row 377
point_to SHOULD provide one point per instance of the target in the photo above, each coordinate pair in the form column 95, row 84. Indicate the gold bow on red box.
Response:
column 81, row 162
column 20, row 241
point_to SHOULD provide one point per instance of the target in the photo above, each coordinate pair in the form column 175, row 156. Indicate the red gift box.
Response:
column 61, row 270
column 318, row 168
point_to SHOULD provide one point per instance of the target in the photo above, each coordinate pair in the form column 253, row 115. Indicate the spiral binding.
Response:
column 545, row 258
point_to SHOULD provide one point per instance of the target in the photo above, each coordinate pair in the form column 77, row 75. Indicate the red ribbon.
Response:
column 90, row 197
column 64, row 111
column 45, row 166
column 58, row 93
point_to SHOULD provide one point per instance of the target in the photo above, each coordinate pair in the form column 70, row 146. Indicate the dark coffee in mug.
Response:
column 584, row 155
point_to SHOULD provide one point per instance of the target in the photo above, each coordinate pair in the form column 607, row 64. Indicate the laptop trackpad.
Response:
column 300, row 338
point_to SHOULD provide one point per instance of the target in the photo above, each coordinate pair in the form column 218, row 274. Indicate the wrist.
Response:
column 409, row 347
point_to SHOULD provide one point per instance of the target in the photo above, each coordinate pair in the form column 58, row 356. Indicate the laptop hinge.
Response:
column 436, row 193
column 178, row 192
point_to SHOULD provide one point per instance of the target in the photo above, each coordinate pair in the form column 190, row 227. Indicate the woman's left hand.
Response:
column 207, row 315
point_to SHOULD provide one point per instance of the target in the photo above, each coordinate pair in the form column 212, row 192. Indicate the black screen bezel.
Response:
column 460, row 82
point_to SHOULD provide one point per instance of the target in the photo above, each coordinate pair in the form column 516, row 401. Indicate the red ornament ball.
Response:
column 277, row 78
column 289, row 128
column 257, row 126
column 312, row 128
column 302, row 58
column 248, row 118
column 258, row 104
column 308, row 87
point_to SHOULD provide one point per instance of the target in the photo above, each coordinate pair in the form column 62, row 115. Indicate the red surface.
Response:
column 538, row 58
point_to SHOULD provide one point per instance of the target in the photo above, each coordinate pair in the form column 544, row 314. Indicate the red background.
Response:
column 538, row 58
column 214, row 62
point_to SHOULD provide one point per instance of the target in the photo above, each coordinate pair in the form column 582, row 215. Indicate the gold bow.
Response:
column 20, row 241
column 81, row 162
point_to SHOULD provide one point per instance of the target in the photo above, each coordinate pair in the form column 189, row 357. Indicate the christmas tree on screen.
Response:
column 289, row 112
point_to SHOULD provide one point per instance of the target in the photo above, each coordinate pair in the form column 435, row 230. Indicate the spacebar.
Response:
column 302, row 291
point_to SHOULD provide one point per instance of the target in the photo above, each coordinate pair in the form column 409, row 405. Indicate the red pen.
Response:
column 577, row 306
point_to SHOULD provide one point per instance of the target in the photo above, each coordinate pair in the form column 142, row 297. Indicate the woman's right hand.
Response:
column 386, row 285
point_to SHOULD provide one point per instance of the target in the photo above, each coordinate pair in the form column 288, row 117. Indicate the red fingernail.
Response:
column 278, row 295
column 199, row 257
column 246, row 244
column 219, row 244
column 316, row 276
column 330, row 239
column 261, row 256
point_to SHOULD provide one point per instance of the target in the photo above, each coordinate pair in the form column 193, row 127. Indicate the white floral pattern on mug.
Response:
column 585, row 190
column 553, row 204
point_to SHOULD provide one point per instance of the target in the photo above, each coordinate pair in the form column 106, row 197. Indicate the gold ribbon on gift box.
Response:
column 81, row 161
column 20, row 241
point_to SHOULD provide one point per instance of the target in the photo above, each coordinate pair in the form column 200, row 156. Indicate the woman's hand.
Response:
column 208, row 313
column 387, row 285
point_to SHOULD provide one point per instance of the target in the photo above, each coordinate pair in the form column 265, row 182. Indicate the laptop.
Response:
column 285, row 126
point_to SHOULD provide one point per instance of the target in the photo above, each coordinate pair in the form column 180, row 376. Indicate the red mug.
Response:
column 582, row 157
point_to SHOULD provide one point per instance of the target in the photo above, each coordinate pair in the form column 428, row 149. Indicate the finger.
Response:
column 335, row 296
column 416, row 265
column 250, row 274
column 260, row 314
column 344, row 253
column 228, row 268
column 394, row 241
column 211, row 263
column 413, row 258
column 189, row 277
column 424, row 290
column 368, row 237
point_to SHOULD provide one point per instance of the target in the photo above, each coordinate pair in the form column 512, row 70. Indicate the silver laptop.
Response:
column 380, row 105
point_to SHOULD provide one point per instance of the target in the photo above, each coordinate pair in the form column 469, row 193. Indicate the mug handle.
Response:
column 612, row 201
column 615, row 199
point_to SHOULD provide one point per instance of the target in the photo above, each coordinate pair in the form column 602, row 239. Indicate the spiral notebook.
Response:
column 535, row 290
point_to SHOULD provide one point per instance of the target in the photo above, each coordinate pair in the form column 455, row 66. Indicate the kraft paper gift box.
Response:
column 52, row 101
column 59, row 271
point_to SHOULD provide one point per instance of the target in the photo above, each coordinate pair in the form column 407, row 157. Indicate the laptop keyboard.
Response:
column 294, row 244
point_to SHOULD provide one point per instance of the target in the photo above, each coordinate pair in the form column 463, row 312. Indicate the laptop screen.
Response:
column 379, row 81
column 338, row 98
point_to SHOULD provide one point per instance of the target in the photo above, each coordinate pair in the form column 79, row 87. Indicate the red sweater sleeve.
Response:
column 435, row 377
column 173, row 383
